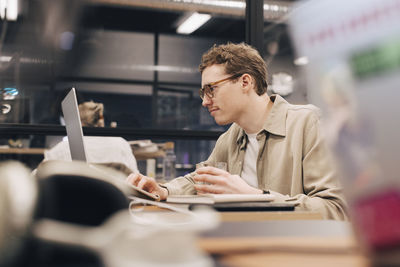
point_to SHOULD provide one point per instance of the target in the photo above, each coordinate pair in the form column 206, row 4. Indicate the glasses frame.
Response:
column 208, row 90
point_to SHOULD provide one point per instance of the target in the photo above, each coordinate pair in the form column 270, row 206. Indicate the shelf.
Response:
column 22, row 151
column 149, row 155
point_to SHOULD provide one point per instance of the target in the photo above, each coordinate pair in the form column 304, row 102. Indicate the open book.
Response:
column 219, row 198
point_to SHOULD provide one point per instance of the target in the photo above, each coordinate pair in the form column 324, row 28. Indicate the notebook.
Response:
column 233, row 202
column 219, row 198
column 248, row 206
column 73, row 126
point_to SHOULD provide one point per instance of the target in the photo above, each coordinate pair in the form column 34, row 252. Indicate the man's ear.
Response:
column 247, row 82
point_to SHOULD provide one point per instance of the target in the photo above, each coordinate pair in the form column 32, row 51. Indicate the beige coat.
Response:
column 293, row 160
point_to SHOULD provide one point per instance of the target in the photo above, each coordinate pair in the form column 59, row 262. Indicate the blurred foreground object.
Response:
column 71, row 213
column 18, row 196
column 354, row 75
column 86, row 209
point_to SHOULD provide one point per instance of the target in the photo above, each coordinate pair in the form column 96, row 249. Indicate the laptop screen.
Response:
column 74, row 127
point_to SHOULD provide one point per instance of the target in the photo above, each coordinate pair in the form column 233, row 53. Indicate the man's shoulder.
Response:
column 302, row 116
column 304, row 111
column 306, row 108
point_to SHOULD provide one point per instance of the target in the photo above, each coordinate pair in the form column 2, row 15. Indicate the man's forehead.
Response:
column 211, row 73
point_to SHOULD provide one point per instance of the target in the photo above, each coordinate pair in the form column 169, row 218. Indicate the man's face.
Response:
column 225, row 105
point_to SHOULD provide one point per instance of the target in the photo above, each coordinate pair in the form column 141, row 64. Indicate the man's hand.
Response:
column 217, row 181
column 148, row 184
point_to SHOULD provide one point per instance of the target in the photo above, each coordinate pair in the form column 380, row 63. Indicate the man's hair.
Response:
column 238, row 59
column 91, row 114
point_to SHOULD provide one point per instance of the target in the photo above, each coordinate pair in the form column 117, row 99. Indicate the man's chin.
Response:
column 221, row 121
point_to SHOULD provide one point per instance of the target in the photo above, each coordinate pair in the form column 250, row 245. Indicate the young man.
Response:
column 271, row 146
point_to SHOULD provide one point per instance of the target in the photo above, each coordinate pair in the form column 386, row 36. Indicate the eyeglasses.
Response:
column 208, row 89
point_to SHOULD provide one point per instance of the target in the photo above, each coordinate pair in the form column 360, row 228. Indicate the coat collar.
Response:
column 276, row 120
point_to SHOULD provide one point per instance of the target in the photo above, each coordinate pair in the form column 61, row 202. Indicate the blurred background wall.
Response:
column 129, row 56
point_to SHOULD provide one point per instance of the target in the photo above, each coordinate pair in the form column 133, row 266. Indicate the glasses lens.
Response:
column 201, row 93
column 206, row 90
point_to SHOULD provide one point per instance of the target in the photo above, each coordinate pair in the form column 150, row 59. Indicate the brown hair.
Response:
column 238, row 59
column 91, row 114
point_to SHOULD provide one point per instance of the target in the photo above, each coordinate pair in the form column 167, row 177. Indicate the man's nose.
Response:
column 206, row 101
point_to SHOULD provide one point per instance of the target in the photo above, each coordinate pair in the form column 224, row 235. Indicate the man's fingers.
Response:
column 210, row 170
column 134, row 178
column 141, row 181
column 211, row 189
column 144, row 183
column 210, row 179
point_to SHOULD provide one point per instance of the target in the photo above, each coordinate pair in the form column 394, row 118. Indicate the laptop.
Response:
column 73, row 125
column 76, row 142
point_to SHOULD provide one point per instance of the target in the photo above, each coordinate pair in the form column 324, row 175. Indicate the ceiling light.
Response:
column 221, row 3
column 12, row 9
column 301, row 61
column 5, row 58
column 225, row 3
column 192, row 23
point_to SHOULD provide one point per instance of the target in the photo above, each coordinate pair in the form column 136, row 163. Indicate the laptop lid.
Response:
column 74, row 126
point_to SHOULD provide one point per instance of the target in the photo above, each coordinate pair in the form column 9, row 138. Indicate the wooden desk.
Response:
column 272, row 238
column 269, row 215
column 283, row 243
column 253, row 215
column 285, row 251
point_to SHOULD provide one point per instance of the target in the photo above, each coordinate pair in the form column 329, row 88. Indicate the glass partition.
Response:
column 127, row 56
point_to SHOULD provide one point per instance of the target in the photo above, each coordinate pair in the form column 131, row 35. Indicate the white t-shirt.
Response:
column 249, row 172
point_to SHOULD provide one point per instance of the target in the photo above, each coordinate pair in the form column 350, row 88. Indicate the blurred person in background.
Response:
column 271, row 147
column 110, row 151
column 91, row 114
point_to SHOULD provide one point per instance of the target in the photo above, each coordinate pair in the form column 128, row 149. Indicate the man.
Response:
column 271, row 146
